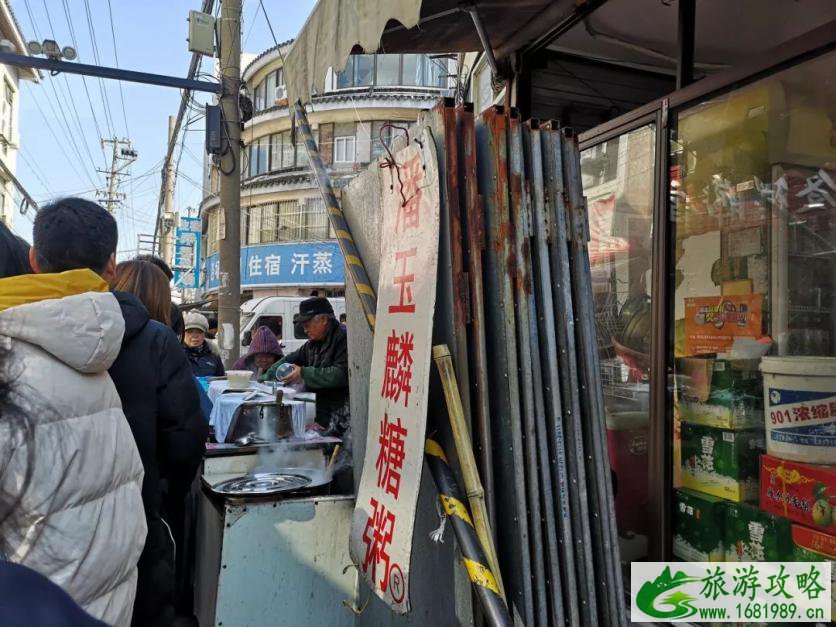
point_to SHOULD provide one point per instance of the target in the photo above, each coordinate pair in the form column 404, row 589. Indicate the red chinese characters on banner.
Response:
column 377, row 536
column 383, row 523
column 398, row 373
column 412, row 172
column 390, row 455
column 405, row 281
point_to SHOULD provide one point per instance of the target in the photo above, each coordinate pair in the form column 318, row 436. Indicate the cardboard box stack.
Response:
column 722, row 437
column 738, row 501
column 805, row 495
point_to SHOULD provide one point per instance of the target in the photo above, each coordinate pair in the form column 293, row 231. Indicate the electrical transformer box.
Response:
column 201, row 33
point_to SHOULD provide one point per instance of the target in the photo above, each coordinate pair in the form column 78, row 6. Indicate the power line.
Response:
column 69, row 160
column 67, row 129
column 33, row 165
column 69, row 92
column 95, row 48
column 74, row 39
column 116, row 56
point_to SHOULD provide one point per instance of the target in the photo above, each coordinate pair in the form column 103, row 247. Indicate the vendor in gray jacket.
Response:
column 321, row 364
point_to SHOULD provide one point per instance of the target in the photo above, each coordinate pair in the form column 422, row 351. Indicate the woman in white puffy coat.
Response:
column 72, row 481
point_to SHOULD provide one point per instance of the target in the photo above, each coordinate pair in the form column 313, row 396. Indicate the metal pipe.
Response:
column 514, row 552
column 473, row 224
column 528, row 390
column 475, row 562
column 547, row 418
column 456, row 249
column 356, row 268
column 55, row 66
column 592, row 397
column 467, row 462
column 483, row 37
column 568, row 371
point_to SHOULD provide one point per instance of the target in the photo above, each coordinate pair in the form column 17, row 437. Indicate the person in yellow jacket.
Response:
column 70, row 473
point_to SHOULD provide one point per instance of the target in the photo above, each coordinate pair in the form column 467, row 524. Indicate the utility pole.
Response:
column 229, row 247
column 123, row 156
column 168, row 221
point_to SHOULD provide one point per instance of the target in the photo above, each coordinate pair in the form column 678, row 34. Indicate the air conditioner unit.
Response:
column 281, row 94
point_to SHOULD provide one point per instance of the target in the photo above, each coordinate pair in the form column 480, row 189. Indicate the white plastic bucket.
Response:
column 799, row 398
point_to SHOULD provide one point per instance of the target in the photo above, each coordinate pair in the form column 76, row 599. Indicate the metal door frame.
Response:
column 662, row 111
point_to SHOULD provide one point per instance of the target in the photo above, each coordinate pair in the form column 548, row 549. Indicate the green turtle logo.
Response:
column 646, row 599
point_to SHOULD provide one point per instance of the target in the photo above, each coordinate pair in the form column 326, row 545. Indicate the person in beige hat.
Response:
column 204, row 361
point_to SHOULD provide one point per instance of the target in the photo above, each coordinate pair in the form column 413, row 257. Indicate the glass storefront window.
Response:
column 618, row 183
column 753, row 277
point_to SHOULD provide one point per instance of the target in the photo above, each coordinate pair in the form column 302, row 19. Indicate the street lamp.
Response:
column 51, row 49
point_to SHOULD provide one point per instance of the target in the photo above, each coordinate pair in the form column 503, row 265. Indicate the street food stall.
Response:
column 271, row 535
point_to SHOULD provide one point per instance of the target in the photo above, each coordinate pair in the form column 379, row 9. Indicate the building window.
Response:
column 381, row 136
column 600, row 163
column 359, row 72
column 7, row 117
column 302, row 160
column 258, row 103
column 263, row 155
column 288, row 151
column 269, row 213
column 344, row 149
column 254, row 230
column 275, row 152
column 483, row 87
column 388, row 70
column 270, row 90
column 252, row 160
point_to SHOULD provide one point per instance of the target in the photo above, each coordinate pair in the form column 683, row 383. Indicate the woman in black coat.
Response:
column 159, row 396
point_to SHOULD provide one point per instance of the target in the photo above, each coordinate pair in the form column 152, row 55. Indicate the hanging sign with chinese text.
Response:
column 384, row 516
column 298, row 263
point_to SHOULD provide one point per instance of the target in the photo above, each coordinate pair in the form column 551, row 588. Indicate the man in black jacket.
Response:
column 321, row 363
column 159, row 397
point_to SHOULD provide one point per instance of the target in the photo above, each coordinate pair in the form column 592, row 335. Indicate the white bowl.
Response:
column 238, row 379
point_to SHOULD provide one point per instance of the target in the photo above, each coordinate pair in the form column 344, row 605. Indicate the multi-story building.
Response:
column 11, row 40
column 287, row 244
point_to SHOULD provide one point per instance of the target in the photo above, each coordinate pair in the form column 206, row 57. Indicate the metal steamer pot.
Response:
column 267, row 421
column 265, row 484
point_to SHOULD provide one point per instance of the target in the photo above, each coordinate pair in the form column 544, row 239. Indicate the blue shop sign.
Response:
column 308, row 263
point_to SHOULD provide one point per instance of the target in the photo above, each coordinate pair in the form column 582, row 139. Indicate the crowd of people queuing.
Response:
column 101, row 426
column 103, row 422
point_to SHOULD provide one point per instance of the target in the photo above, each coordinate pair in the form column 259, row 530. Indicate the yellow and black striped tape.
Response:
column 474, row 558
column 356, row 269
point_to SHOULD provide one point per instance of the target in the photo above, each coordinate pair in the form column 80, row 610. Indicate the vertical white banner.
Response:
column 384, row 516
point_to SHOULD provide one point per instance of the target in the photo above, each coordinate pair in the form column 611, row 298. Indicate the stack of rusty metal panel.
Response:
column 515, row 286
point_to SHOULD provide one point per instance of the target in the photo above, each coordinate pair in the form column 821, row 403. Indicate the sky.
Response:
column 61, row 127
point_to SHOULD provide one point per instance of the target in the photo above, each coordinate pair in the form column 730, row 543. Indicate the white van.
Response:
column 276, row 313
